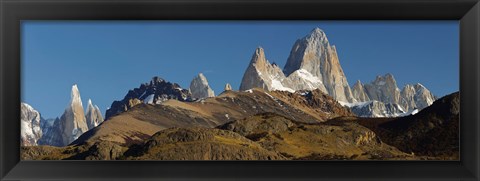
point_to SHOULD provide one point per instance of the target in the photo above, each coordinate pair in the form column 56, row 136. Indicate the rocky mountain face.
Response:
column 262, row 74
column 155, row 92
column 199, row 87
column 315, row 55
column 31, row 130
column 93, row 115
column 390, row 100
column 313, row 64
column 384, row 89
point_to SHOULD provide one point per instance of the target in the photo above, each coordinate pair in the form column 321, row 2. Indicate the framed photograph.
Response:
column 244, row 90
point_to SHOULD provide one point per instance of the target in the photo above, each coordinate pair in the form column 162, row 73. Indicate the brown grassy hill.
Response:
column 266, row 136
column 317, row 141
column 101, row 150
column 200, row 144
column 143, row 120
column 433, row 132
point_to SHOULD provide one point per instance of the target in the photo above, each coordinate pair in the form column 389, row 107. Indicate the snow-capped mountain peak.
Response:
column 30, row 131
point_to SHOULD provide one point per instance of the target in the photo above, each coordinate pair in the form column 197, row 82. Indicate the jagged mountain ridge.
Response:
column 313, row 64
column 384, row 89
column 154, row 92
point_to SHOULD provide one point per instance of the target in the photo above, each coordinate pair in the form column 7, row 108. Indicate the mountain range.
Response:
column 305, row 110
column 306, row 125
column 313, row 64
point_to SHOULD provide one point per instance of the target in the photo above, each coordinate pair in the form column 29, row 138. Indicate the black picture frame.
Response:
column 12, row 12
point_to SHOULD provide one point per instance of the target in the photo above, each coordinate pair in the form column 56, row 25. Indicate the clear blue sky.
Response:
column 107, row 58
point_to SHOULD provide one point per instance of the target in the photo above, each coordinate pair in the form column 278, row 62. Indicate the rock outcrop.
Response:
column 199, row 87
column 30, row 121
column 228, row 87
column 93, row 115
column 155, row 92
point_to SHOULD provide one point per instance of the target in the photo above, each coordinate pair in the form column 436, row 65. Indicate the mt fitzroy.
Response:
column 313, row 64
